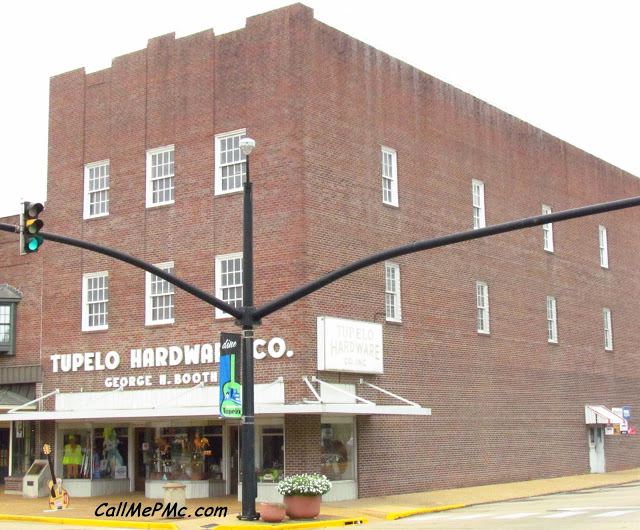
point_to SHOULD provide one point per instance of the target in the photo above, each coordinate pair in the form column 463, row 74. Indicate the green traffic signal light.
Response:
column 30, row 226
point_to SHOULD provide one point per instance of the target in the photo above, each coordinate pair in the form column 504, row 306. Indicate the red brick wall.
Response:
column 303, row 443
column 506, row 406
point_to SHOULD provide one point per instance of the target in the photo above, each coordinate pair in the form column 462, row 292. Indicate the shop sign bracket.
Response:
column 362, row 381
column 313, row 390
column 56, row 391
column 173, row 398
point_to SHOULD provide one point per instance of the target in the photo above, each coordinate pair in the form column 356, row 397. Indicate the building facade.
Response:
column 495, row 360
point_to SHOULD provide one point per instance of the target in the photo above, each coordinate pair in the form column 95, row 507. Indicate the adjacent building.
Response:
column 501, row 359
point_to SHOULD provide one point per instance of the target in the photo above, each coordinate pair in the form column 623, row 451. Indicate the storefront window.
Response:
column 271, row 465
column 338, row 449
column 187, row 453
column 76, row 453
column 23, row 447
column 111, row 452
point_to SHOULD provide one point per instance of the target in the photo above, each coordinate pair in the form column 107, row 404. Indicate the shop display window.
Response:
column 75, row 453
column 338, row 451
column 271, row 456
column 111, row 452
column 187, row 453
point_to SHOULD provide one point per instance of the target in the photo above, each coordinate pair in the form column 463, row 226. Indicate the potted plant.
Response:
column 303, row 494
column 272, row 512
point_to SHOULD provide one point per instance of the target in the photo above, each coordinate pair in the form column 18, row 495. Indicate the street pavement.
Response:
column 615, row 506
column 85, row 512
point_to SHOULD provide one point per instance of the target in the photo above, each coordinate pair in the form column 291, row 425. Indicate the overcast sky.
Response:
column 569, row 67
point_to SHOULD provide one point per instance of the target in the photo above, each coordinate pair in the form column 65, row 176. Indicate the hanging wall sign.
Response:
column 349, row 346
column 230, row 388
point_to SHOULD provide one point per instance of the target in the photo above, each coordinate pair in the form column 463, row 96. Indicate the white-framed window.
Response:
column 229, row 281
column 482, row 305
column 9, row 299
column 160, row 176
column 547, row 231
column 477, row 190
column 552, row 320
column 389, row 176
column 393, row 308
column 96, row 189
column 608, row 330
column 159, row 308
column 95, row 301
column 604, row 251
column 231, row 162
column 7, row 328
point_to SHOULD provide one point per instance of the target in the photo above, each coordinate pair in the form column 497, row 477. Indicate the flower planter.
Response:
column 272, row 512
column 302, row 506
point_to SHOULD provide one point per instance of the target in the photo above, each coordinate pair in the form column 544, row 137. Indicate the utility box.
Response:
column 34, row 483
column 175, row 492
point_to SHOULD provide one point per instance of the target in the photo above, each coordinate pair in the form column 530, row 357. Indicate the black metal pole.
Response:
column 249, row 486
column 441, row 241
column 131, row 260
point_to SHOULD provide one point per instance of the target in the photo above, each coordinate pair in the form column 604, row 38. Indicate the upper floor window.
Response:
column 9, row 299
column 95, row 301
column 229, row 281
column 482, row 305
column 159, row 299
column 552, row 320
column 604, row 251
column 392, row 292
column 231, row 166
column 160, row 176
column 608, row 330
column 477, row 188
column 547, row 231
column 389, row 177
column 96, row 189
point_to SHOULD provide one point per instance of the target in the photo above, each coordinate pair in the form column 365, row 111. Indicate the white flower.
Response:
column 304, row 484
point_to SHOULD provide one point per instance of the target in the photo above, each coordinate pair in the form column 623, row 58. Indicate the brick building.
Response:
column 509, row 351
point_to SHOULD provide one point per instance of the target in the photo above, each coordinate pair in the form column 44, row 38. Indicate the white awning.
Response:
column 337, row 398
column 261, row 409
column 202, row 401
column 597, row 414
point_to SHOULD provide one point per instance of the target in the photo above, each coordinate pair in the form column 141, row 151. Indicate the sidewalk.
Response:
column 82, row 511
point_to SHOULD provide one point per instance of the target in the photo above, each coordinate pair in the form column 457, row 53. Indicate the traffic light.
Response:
column 30, row 225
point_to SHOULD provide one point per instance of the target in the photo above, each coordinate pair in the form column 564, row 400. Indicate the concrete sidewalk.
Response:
column 85, row 511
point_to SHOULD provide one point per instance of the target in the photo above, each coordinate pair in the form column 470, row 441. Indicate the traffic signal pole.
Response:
column 248, row 317
column 121, row 256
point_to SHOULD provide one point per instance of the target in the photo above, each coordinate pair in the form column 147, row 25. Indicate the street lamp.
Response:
column 248, row 322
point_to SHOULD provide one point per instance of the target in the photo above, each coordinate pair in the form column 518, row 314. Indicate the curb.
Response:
column 399, row 515
column 295, row 526
column 88, row 522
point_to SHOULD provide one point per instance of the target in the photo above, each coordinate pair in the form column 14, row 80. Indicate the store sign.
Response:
column 230, row 388
column 204, row 356
column 349, row 346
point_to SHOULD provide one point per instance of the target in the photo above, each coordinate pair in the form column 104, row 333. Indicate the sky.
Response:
column 569, row 67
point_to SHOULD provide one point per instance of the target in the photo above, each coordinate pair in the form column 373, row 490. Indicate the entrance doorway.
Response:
column 4, row 454
column 234, row 458
column 596, row 449
column 143, row 442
